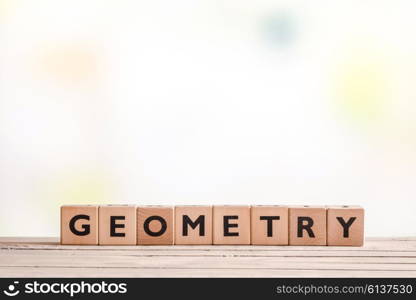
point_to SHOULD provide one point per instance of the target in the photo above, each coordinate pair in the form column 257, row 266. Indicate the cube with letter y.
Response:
column 345, row 225
column 79, row 225
column 193, row 225
column 307, row 225
column 231, row 225
column 117, row 225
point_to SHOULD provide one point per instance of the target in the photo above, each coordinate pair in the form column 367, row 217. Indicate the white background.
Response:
column 207, row 102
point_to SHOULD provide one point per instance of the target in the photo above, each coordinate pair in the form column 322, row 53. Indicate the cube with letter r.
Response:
column 307, row 225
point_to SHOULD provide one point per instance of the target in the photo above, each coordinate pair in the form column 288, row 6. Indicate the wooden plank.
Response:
column 140, row 255
column 370, row 245
column 228, row 253
column 37, row 257
column 156, row 272
column 198, row 263
column 202, row 262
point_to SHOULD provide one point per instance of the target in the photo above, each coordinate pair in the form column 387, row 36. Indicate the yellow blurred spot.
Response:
column 6, row 7
column 92, row 186
column 74, row 64
column 363, row 88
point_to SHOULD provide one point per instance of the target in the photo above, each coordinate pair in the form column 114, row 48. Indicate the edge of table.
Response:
column 45, row 257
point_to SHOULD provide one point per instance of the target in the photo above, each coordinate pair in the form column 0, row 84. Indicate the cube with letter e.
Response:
column 231, row 225
column 117, row 225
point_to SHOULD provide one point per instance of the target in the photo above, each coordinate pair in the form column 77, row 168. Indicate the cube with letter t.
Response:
column 269, row 225
column 79, row 225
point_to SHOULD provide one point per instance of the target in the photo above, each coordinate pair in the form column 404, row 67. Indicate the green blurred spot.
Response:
column 279, row 29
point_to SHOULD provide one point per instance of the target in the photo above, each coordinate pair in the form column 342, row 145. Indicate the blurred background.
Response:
column 207, row 102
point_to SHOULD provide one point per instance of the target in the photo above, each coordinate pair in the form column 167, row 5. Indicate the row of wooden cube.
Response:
column 218, row 225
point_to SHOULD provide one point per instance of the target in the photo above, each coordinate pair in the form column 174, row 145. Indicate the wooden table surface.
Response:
column 44, row 257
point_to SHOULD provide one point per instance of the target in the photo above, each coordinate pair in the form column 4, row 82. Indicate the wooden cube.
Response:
column 193, row 225
column 307, row 225
column 231, row 225
column 117, row 225
column 345, row 225
column 269, row 225
column 79, row 225
column 155, row 225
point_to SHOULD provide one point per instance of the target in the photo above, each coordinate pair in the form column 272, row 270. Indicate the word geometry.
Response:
column 212, row 225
